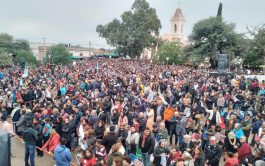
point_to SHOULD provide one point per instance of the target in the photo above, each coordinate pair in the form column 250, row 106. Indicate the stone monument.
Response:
column 222, row 67
column 222, row 63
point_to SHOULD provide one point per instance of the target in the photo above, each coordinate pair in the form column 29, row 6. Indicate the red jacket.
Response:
column 88, row 162
column 52, row 142
column 243, row 151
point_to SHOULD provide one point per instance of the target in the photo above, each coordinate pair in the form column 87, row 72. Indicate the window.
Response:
column 175, row 28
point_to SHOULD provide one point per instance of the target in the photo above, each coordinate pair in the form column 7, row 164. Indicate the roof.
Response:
column 178, row 14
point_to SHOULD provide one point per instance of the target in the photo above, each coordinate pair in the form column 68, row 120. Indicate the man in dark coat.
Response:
column 110, row 139
column 213, row 152
column 147, row 145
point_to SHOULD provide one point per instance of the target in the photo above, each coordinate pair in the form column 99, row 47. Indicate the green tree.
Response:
column 19, row 48
column 255, row 55
column 25, row 56
column 59, row 55
column 170, row 53
column 212, row 36
column 4, row 57
column 136, row 30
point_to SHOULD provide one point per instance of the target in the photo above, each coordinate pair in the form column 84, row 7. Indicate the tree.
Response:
column 212, row 36
column 25, row 56
column 59, row 55
column 219, row 12
column 255, row 55
column 19, row 48
column 171, row 51
column 136, row 30
column 4, row 57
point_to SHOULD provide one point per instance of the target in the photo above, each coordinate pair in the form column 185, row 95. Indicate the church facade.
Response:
column 177, row 28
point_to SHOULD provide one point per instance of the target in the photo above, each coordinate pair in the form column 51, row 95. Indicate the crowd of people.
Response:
column 130, row 112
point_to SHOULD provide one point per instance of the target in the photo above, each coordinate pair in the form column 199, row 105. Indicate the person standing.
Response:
column 213, row 152
column 147, row 144
column 8, row 126
column 30, row 138
column 246, row 126
column 62, row 154
column 38, row 128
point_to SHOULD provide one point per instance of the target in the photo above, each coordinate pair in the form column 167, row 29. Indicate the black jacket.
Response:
column 110, row 140
column 30, row 136
column 157, row 154
column 213, row 154
column 66, row 131
column 38, row 128
column 115, row 118
column 103, row 117
column 183, row 146
column 142, row 124
column 149, row 144
column 99, row 131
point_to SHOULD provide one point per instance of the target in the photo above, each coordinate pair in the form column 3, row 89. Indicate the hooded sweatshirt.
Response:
column 62, row 156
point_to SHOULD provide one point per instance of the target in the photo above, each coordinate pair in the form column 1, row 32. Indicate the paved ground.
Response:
column 17, row 149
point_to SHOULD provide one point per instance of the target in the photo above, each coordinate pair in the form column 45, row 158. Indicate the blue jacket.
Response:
column 62, row 155
column 239, row 133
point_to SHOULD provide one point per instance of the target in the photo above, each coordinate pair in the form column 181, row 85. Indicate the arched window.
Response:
column 175, row 28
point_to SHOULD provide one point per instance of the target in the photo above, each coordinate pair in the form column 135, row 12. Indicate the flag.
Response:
column 21, row 82
column 97, row 66
column 26, row 73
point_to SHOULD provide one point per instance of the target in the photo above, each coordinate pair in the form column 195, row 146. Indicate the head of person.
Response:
column 52, row 132
column 147, row 131
column 100, row 124
column 176, row 114
column 162, row 125
column 231, row 136
column 66, row 120
column 126, row 161
column 162, row 143
column 158, row 118
column 117, row 161
column 84, row 121
column 99, row 142
column 197, row 150
column 180, row 161
column 187, row 138
column 88, row 153
column 243, row 139
column 9, row 119
column 237, row 125
column 212, row 141
column 141, row 115
column 115, row 148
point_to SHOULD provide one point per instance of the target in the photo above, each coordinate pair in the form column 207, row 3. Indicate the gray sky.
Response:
column 75, row 21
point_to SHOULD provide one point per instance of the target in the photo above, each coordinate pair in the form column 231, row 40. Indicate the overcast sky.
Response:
column 75, row 21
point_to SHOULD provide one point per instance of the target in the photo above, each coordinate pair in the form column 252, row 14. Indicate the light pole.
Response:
column 167, row 60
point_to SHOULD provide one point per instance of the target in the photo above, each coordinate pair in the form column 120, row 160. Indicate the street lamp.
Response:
column 167, row 60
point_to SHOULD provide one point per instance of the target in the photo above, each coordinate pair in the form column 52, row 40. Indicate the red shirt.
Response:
column 88, row 162
column 231, row 161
